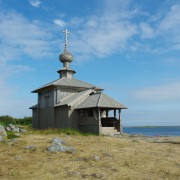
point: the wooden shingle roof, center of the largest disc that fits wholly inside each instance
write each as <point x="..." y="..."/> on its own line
<point x="67" y="82"/>
<point x="101" y="100"/>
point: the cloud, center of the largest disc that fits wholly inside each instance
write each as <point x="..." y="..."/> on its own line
<point x="172" y="61"/>
<point x="103" y="34"/>
<point x="23" y="37"/>
<point x="59" y="22"/>
<point x="164" y="93"/>
<point x="20" y="39"/>
<point x="146" y="31"/>
<point x="169" y="27"/>
<point x="35" y="3"/>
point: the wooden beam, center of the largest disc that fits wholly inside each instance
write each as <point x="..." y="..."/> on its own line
<point x="120" y="123"/>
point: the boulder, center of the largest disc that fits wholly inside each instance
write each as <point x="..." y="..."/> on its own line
<point x="8" y="128"/>
<point x="61" y="148"/>
<point x="3" y="131"/>
<point x="16" y="129"/>
<point x="11" y="126"/>
<point x="22" y="130"/>
<point x="57" y="141"/>
<point x="1" y="139"/>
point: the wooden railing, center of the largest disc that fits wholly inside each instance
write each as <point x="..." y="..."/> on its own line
<point x="110" y="122"/>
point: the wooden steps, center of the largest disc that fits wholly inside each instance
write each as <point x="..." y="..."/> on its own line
<point x="109" y="130"/>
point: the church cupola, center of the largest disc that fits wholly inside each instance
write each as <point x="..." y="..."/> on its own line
<point x="66" y="58"/>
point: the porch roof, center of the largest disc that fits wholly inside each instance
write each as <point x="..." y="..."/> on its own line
<point x="100" y="100"/>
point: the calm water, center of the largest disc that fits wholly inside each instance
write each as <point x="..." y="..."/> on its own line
<point x="154" y="131"/>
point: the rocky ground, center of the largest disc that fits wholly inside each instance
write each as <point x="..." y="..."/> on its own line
<point x="43" y="155"/>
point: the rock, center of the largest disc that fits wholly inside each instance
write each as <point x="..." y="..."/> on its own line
<point x="11" y="126"/>
<point x="16" y="130"/>
<point x="1" y="139"/>
<point x="96" y="158"/>
<point x="61" y="148"/>
<point x="2" y="131"/>
<point x="8" y="128"/>
<point x="32" y="147"/>
<point x="17" y="134"/>
<point x="57" y="141"/>
<point x="18" y="158"/>
<point x="22" y="130"/>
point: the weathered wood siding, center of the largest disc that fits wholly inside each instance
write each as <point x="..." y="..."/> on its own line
<point x="46" y="109"/>
<point x="46" y="118"/>
<point x="60" y="94"/>
<point x="73" y="119"/>
<point x="35" y="118"/>
<point x="89" y="124"/>
<point x="61" y="117"/>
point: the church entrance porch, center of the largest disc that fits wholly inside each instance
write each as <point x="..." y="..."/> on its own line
<point x="100" y="120"/>
<point x="110" y="125"/>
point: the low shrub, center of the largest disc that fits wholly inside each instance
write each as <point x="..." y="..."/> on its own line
<point x="5" y="120"/>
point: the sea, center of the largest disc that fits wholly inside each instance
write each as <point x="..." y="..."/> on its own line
<point x="153" y="130"/>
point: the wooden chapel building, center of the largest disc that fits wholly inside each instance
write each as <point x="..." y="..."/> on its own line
<point x="70" y="103"/>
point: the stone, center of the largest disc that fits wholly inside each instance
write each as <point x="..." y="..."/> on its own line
<point x="57" y="141"/>
<point x="18" y="158"/>
<point x="1" y="138"/>
<point x="61" y="148"/>
<point x="31" y="147"/>
<point x="16" y="129"/>
<point x="8" y="128"/>
<point x="17" y="134"/>
<point x="96" y="158"/>
<point x="3" y="131"/>
<point x="11" y="126"/>
<point x="22" y="130"/>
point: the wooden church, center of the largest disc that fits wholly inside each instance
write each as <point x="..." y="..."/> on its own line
<point x="71" y="103"/>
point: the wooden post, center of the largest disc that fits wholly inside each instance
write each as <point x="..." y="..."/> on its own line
<point x="107" y="114"/>
<point x="114" y="113"/>
<point x="99" y="119"/>
<point x="120" y="123"/>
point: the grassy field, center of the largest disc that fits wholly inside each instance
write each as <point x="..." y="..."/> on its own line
<point x="120" y="158"/>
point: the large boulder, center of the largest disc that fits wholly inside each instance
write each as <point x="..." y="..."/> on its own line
<point x="61" y="148"/>
<point x="13" y="128"/>
<point x="57" y="141"/>
<point x="2" y="131"/>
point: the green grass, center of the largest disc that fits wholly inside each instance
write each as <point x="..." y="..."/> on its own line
<point x="67" y="131"/>
<point x="11" y="135"/>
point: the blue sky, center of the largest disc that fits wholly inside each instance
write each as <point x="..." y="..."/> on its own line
<point x="129" y="48"/>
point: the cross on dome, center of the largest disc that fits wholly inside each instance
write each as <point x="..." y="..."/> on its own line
<point x="66" y="32"/>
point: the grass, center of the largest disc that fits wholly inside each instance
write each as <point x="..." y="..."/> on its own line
<point x="119" y="158"/>
<point x="67" y="131"/>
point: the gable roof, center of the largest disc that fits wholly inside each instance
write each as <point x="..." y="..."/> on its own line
<point x="75" y="98"/>
<point x="101" y="100"/>
<point x="68" y="83"/>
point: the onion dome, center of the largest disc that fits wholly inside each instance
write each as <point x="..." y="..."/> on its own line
<point x="66" y="57"/>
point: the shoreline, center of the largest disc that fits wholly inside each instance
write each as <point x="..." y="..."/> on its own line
<point x="150" y="139"/>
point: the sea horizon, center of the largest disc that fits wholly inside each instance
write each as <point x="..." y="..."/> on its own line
<point x="153" y="130"/>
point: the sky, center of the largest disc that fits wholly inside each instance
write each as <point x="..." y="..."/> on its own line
<point x="129" y="48"/>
